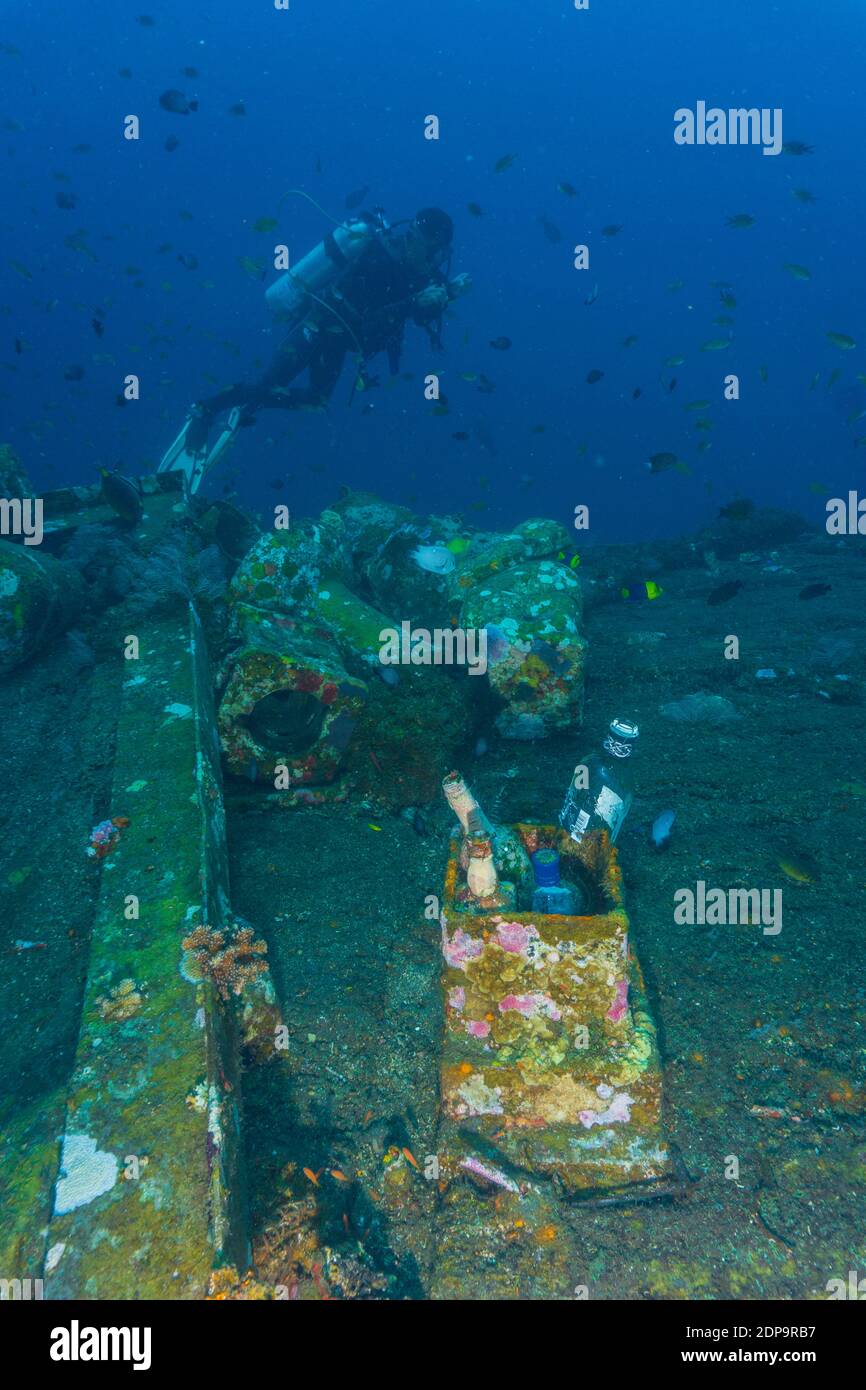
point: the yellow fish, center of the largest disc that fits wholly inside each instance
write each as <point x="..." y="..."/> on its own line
<point x="795" y="870"/>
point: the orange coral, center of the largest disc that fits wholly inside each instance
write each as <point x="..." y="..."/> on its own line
<point x="229" y="962"/>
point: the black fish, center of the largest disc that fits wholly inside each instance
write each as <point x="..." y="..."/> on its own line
<point x="147" y="20"/>
<point x="460" y="434"/>
<point x="594" y="376"/>
<point x="122" y="495"/>
<point x="98" y="327"/>
<point x="740" y="510"/>
<point x="500" y="344"/>
<point x="66" y="201"/>
<point x="475" y="209"/>
<point x="354" y="200"/>
<point x="551" y="231"/>
<point x="238" y="109"/>
<point x="171" y="143"/>
<point x="175" y="101"/>
<point x="814" y="590"/>
<point x="276" y="484"/>
<point x="724" y="592"/>
<point x="190" y="72"/>
<point x="73" y="372"/>
<point x="189" y="261"/>
<point x="672" y="384"/>
<point x="635" y="393"/>
<point x="18" y="346"/>
<point x="124" y="72"/>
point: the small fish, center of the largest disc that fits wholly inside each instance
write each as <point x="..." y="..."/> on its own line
<point x="371" y="826"/>
<point x="660" y="833"/>
<point x="122" y="495"/>
<point x="124" y="72"/>
<point x="28" y="945"/>
<point x="764" y="374"/>
<point x="797" y="147"/>
<point x="698" y="405"/>
<point x="612" y="229"/>
<point x="73" y="372"/>
<point x="630" y="340"/>
<point x="339" y="1175"/>
<point x="410" y="1158"/>
<point x="81" y="149"/>
<point x="716" y="345"/>
<point x="592" y="297"/>
<point x="674" y="361"/>
<point x="741" y="220"/>
<point x="657" y="463"/>
<point x="256" y="269"/>
<point x="635" y="393"/>
<point x="21" y="269"/>
<point x="190" y="72"/>
<point x="147" y="21"/>
<point x="19" y="347"/>
<point x="551" y="231"/>
<point x="265" y="224"/>
<point x="67" y="201"/>
<point x="474" y="210"/>
<point x="174" y="101"/>
<point x="674" y="286"/>
<point x="356" y="198"/>
<point x="724" y="592"/>
<point x="504" y="162"/>
<point x="461" y="435"/>
<point x="171" y="144"/>
<point x="739" y="510"/>
<point x="804" y="196"/>
<point x="594" y="376"/>
<point x="842" y="340"/>
<point x="500" y="344"/>
<point x="188" y="260"/>
<point x="647" y="589"/>
<point x="435" y="559"/>
<point x="672" y="384"/>
<point x="834" y="377"/>
<point x="568" y="189"/>
<point x="814" y="590"/>
<point x="801" y="868"/>
<point x="98" y="327"/>
<point x="727" y="299"/>
<point x="238" y="109"/>
<point x="799" y="272"/>
<point x="313" y="1177"/>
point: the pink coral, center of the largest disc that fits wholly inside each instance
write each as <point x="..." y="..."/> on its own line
<point x="618" y="1112"/>
<point x="620" y="1002"/>
<point x="460" y="948"/>
<point x="478" y="1028"/>
<point x="529" y="1005"/>
<point x="457" y="998"/>
<point x="513" y="936"/>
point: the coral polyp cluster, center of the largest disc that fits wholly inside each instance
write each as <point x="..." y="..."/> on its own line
<point x="230" y="961"/>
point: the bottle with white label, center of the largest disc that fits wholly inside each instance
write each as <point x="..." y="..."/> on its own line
<point x="601" y="789"/>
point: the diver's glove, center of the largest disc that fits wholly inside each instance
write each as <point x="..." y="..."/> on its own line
<point x="461" y="284"/>
<point x="433" y="297"/>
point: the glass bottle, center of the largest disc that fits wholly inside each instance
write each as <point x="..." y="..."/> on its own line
<point x="600" y="792"/>
<point x="509" y="852"/>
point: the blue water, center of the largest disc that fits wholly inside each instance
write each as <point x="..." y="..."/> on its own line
<point x="583" y="97"/>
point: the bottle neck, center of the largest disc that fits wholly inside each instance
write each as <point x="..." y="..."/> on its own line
<point x="620" y="748"/>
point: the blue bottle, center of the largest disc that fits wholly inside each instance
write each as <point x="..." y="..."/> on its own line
<point x="550" y="895"/>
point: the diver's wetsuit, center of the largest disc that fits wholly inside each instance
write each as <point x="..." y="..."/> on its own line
<point x="367" y="311"/>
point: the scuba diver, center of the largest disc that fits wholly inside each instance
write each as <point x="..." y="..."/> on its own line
<point x="356" y="290"/>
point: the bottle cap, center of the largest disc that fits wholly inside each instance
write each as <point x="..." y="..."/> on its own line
<point x="545" y="864"/>
<point x="624" y="728"/>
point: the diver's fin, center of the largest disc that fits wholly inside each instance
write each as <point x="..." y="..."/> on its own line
<point x="179" y="459"/>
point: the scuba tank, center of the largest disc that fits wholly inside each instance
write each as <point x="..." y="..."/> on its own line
<point x="322" y="267"/>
